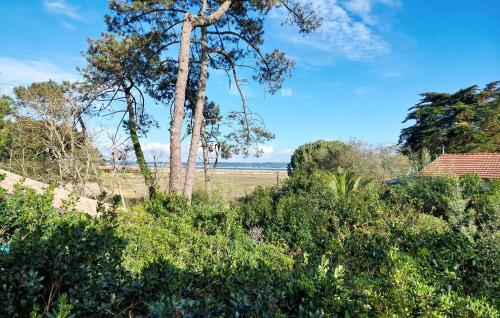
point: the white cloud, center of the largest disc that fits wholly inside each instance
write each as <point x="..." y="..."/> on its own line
<point x="362" y="8"/>
<point x="156" y="146"/>
<point x="270" y="154"/>
<point x="63" y="8"/>
<point x="266" y="149"/>
<point x="14" y="72"/>
<point x="286" y="92"/>
<point x="156" y="151"/>
<point x="391" y="3"/>
<point x="348" y="29"/>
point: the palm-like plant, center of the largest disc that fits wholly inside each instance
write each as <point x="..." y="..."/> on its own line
<point x="346" y="182"/>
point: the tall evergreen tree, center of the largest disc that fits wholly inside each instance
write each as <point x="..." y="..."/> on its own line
<point x="465" y="121"/>
<point x="231" y="35"/>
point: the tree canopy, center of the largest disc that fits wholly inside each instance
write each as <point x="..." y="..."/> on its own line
<point x="465" y="121"/>
<point x="380" y="163"/>
<point x="223" y="35"/>
<point x="43" y="134"/>
<point x="321" y="155"/>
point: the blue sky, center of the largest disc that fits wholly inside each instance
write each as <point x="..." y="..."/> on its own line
<point x="355" y="77"/>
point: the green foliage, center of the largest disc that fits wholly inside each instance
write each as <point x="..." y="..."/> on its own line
<point x="466" y="202"/>
<point x="465" y="121"/>
<point x="418" y="248"/>
<point x="426" y="247"/>
<point x="6" y="109"/>
<point x="208" y="197"/>
<point x="43" y="134"/>
<point x="345" y="183"/>
<point x="370" y="163"/>
<point x="321" y="155"/>
<point x="52" y="253"/>
<point x="166" y="203"/>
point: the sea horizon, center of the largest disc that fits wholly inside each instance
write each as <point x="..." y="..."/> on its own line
<point x="221" y="165"/>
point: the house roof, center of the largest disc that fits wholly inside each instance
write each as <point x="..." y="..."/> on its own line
<point x="486" y="165"/>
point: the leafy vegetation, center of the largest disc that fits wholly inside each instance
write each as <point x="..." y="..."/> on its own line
<point x="333" y="240"/>
<point x="378" y="163"/>
<point x="422" y="247"/>
<point x="465" y="121"/>
<point x="43" y="135"/>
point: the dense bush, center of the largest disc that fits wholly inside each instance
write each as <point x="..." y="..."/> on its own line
<point x="380" y="163"/>
<point x="323" y="155"/>
<point x="49" y="256"/>
<point x="467" y="203"/>
<point x="426" y="247"/>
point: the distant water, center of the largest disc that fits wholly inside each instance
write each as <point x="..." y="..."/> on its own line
<point x="247" y="166"/>
<point x="251" y="166"/>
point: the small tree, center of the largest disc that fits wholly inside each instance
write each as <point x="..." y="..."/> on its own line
<point x="116" y="69"/>
<point x="48" y="136"/>
<point x="378" y="163"/>
<point x="212" y="139"/>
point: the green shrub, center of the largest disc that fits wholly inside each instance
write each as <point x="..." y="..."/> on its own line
<point x="426" y="247"/>
<point x="322" y="155"/>
<point x="209" y="197"/>
<point x="163" y="204"/>
<point x="52" y="253"/>
<point x="380" y="163"/>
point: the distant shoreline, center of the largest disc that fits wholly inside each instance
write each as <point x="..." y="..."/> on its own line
<point x="222" y="166"/>
<point x="135" y="169"/>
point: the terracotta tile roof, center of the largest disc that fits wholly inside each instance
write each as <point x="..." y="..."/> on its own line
<point x="486" y="165"/>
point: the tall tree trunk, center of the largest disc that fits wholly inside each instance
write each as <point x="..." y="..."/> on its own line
<point x="198" y="117"/>
<point x="178" y="114"/>
<point x="134" y="137"/>
<point x="189" y="22"/>
<point x="204" y="146"/>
